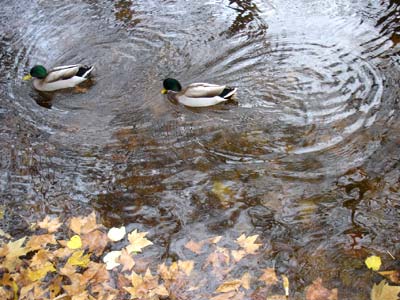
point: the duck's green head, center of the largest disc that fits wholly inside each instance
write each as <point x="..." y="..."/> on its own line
<point x="37" y="71"/>
<point x="171" y="84"/>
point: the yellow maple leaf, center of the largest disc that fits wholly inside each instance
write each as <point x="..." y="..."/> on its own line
<point x="373" y="262"/>
<point x="137" y="241"/>
<point x="383" y="291"/>
<point x="229" y="286"/>
<point x="248" y="243"/>
<point x="78" y="259"/>
<point x="12" y="252"/>
<point x="51" y="225"/>
<point x="41" y="272"/>
<point x="75" y="242"/>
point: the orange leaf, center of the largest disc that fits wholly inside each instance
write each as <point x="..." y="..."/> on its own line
<point x="96" y="241"/>
<point x="40" y="241"/>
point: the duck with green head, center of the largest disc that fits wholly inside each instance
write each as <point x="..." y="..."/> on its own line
<point x="58" y="78"/>
<point x="197" y="94"/>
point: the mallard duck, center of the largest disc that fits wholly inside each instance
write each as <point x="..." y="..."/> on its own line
<point x="197" y="94"/>
<point x="58" y="78"/>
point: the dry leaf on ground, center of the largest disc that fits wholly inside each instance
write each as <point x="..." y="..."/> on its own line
<point x="383" y="291"/>
<point x="316" y="291"/>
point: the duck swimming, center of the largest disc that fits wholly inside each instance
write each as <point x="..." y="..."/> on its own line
<point x="197" y="94"/>
<point x="58" y="78"/>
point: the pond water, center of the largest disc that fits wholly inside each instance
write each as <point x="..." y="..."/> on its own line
<point x="308" y="158"/>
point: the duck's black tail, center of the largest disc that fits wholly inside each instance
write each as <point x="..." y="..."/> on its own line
<point x="228" y="92"/>
<point x="84" y="71"/>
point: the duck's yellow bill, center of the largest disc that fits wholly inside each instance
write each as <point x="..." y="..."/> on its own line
<point x="27" y="77"/>
<point x="164" y="91"/>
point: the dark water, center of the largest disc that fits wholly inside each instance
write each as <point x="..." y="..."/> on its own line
<point x="308" y="158"/>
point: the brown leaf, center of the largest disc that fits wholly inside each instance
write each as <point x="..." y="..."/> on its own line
<point x="40" y="241"/>
<point x="316" y="291"/>
<point x="96" y="241"/>
<point x="269" y="276"/>
<point x="393" y="276"/>
<point x="84" y="225"/>
<point x="12" y="251"/>
<point x="51" y="225"/>
<point x="55" y="287"/>
<point x="126" y="261"/>
<point x="41" y="257"/>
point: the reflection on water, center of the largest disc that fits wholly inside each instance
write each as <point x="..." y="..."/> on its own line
<point x="308" y="159"/>
<point x="247" y="12"/>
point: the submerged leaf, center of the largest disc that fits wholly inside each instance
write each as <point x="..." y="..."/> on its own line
<point x="229" y="286"/>
<point x="373" y="262"/>
<point x="383" y="291"/>
<point x="137" y="241"/>
<point x="248" y="243"/>
<point x="51" y="225"/>
<point x="269" y="276"/>
<point x="316" y="291"/>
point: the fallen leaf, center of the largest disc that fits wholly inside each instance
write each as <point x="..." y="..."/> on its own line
<point x="186" y="266"/>
<point x="194" y="246"/>
<point x="393" y="276"/>
<point x="269" y="276"/>
<point x="126" y="260"/>
<point x="41" y="272"/>
<point x="383" y="291"/>
<point x="40" y="241"/>
<point x="237" y="255"/>
<point x="214" y="240"/>
<point x="223" y="192"/>
<point x="116" y="234"/>
<point x="285" y="280"/>
<point x="373" y="262"/>
<point x="246" y="280"/>
<point x="137" y="241"/>
<point x="229" y="286"/>
<point x="95" y="241"/>
<point x="110" y="259"/>
<point x="12" y="251"/>
<point x="78" y="259"/>
<point x="316" y="291"/>
<point x="75" y="242"/>
<point x="248" y="243"/>
<point x="41" y="257"/>
<point x="55" y="287"/>
<point x="51" y="225"/>
<point x="84" y="225"/>
<point x="225" y="296"/>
